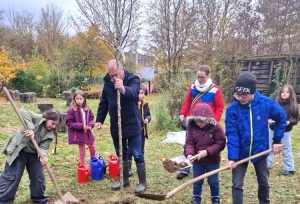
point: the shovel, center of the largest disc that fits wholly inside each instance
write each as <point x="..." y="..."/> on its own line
<point x="62" y="199"/>
<point x="182" y="186"/>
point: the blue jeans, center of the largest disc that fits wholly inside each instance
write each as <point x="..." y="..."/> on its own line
<point x="134" y="143"/>
<point x="287" y="154"/>
<point x="262" y="174"/>
<point x="185" y="170"/>
<point x="213" y="180"/>
<point x="143" y="138"/>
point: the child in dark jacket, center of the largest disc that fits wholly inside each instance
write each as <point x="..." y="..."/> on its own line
<point x="79" y="120"/>
<point x="287" y="100"/>
<point x="145" y="119"/>
<point x="206" y="137"/>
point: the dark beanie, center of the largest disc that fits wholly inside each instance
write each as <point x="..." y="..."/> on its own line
<point x="246" y="83"/>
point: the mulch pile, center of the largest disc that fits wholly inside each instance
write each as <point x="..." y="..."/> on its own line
<point x="172" y="166"/>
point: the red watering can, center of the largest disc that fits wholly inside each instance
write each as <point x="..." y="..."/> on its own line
<point x="113" y="169"/>
<point x="82" y="173"/>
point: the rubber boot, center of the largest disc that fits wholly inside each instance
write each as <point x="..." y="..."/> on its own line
<point x="215" y="200"/>
<point x="126" y="183"/>
<point x="142" y="186"/>
<point x="130" y="169"/>
<point x="197" y="200"/>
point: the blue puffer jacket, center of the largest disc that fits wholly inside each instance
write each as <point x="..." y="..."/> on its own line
<point x="130" y="115"/>
<point x="247" y="126"/>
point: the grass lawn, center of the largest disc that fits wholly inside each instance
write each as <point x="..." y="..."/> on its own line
<point x="284" y="190"/>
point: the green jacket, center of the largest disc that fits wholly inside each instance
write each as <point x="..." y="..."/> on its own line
<point x="18" y="141"/>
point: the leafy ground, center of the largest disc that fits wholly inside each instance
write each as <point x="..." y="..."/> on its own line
<point x="64" y="166"/>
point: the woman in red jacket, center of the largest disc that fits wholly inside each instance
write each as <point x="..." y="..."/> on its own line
<point x="201" y="91"/>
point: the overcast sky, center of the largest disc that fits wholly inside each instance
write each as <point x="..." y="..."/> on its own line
<point x="69" y="7"/>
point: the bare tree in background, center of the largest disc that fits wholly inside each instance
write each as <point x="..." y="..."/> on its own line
<point x="117" y="22"/>
<point x="20" y="36"/>
<point x="50" y="29"/>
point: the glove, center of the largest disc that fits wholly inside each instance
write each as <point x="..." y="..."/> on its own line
<point x="86" y="127"/>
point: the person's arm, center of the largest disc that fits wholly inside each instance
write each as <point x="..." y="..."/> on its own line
<point x="103" y="107"/>
<point x="132" y="87"/>
<point x="189" y="143"/>
<point x="294" y="119"/>
<point x="277" y="114"/>
<point x="29" y="118"/>
<point x="90" y="122"/>
<point x="219" y="141"/>
<point x="187" y="103"/>
<point x="70" y="121"/>
<point x="219" y="105"/>
<point x="147" y="114"/>
<point x="233" y="140"/>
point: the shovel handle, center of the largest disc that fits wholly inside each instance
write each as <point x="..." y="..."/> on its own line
<point x="182" y="186"/>
<point x="34" y="144"/>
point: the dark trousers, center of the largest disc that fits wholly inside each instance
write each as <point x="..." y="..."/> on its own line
<point x="262" y="174"/>
<point x="142" y="146"/>
<point x="134" y="143"/>
<point x="11" y="177"/>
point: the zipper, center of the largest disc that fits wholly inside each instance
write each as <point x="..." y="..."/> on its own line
<point x="251" y="130"/>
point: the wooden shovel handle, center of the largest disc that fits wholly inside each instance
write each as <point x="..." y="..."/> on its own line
<point x="35" y="145"/>
<point x="182" y="186"/>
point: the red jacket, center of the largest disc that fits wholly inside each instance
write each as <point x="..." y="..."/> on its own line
<point x="213" y="98"/>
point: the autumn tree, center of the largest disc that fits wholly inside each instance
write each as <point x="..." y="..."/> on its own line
<point x="50" y="29"/>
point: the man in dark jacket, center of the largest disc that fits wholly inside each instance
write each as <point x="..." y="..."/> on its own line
<point x="129" y="86"/>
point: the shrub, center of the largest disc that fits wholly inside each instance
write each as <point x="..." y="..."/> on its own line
<point x="93" y="92"/>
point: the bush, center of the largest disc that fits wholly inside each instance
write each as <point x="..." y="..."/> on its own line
<point x="93" y="92"/>
<point x="26" y="82"/>
<point x="54" y="84"/>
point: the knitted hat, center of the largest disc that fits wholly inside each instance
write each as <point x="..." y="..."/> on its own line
<point x="246" y="83"/>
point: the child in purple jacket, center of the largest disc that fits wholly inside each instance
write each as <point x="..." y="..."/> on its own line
<point x="206" y="137"/>
<point x="79" y="120"/>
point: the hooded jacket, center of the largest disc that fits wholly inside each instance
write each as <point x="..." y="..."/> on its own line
<point x="247" y="127"/>
<point x="74" y="122"/>
<point x="130" y="115"/>
<point x="210" y="138"/>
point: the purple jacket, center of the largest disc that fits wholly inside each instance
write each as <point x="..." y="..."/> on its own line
<point x="210" y="138"/>
<point x="74" y="122"/>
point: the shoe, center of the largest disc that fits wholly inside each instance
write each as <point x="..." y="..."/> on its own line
<point x="181" y="176"/>
<point x="286" y="173"/>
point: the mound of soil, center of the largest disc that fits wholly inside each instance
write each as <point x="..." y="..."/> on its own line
<point x="127" y="200"/>
<point x="172" y="166"/>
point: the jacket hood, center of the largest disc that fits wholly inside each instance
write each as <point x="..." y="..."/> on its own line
<point x="203" y="112"/>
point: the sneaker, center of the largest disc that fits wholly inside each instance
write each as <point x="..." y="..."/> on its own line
<point x="181" y="176"/>
<point x="286" y="173"/>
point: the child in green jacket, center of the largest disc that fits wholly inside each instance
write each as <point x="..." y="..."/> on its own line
<point x="20" y="153"/>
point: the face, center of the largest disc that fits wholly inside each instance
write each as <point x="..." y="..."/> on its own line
<point x="112" y="72"/>
<point x="285" y="94"/>
<point x="51" y="124"/>
<point x="243" y="98"/>
<point x="79" y="100"/>
<point x="202" y="77"/>
<point x="141" y="95"/>
<point x="201" y="123"/>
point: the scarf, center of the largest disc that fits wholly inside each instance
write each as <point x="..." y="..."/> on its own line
<point x="203" y="87"/>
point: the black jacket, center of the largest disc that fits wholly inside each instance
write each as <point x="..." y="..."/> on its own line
<point x="130" y="116"/>
<point x="292" y="117"/>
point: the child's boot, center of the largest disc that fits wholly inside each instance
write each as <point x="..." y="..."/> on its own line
<point x="215" y="200"/>
<point x="197" y="200"/>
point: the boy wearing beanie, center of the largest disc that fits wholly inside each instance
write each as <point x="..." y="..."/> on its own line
<point x="246" y="124"/>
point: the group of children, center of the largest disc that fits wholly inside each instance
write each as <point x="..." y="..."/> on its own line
<point x="251" y="121"/>
<point x="247" y="119"/>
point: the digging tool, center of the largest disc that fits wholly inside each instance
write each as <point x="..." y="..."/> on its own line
<point x="182" y="186"/>
<point x="62" y="199"/>
<point x="178" y="163"/>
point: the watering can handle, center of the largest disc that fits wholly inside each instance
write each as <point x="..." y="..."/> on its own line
<point x="182" y="186"/>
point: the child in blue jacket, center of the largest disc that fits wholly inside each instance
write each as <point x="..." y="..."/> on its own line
<point x="246" y="124"/>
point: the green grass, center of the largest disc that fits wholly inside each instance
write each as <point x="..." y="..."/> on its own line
<point x="64" y="165"/>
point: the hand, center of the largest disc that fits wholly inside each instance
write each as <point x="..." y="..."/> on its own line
<point x="270" y="121"/>
<point x="181" y="117"/>
<point x="98" y="125"/>
<point x="277" y="148"/>
<point x="43" y="160"/>
<point x="202" y="154"/>
<point x="231" y="165"/>
<point x="189" y="157"/>
<point x="86" y="127"/>
<point x="146" y="121"/>
<point x="288" y="123"/>
<point x="119" y="85"/>
<point x="29" y="133"/>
